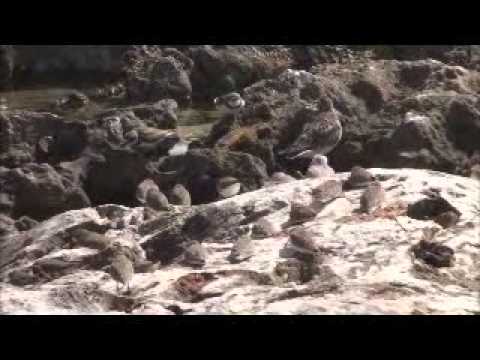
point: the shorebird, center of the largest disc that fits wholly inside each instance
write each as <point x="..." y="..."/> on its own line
<point x="302" y="246"/>
<point x="143" y="188"/>
<point x="373" y="198"/>
<point x="300" y="213"/>
<point x="194" y="255"/>
<point x="179" y="149"/>
<point x="156" y="200"/>
<point x="121" y="270"/>
<point x="45" y="144"/>
<point x="228" y="187"/>
<point x="359" y="178"/>
<point x="242" y="250"/>
<point x="319" y="167"/>
<point x="231" y="103"/>
<point x="114" y="127"/>
<point x="180" y="196"/>
<point x="320" y="136"/>
<point x="325" y="193"/>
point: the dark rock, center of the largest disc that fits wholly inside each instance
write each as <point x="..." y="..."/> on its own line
<point x="434" y="254"/>
<point x="153" y="75"/>
<point x="21" y="131"/>
<point x="50" y="269"/>
<point x="40" y="192"/>
<point x="74" y="101"/>
<point x="447" y="219"/>
<point x="294" y="270"/>
<point x="463" y="120"/>
<point x="7" y="63"/>
<point x="25" y="223"/>
<point x="415" y="74"/>
<point x="115" y="180"/>
<point x="7" y="225"/>
<point x="60" y="63"/>
<point x="161" y="115"/>
<point x="22" y="277"/>
<point x="200" y="166"/>
<point x="370" y="92"/>
<point x="222" y="69"/>
<point x="430" y="208"/>
<point x="188" y="287"/>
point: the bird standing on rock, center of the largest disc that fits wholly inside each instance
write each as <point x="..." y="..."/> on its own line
<point x="228" y="187"/>
<point x="322" y="135"/>
<point x="180" y="148"/>
<point x="373" y="198"/>
<point x="115" y="129"/>
<point x="242" y="250"/>
<point x="359" y="178"/>
<point x="299" y="214"/>
<point x="180" y="196"/>
<point x="194" y="255"/>
<point x="231" y="103"/>
<point x="156" y="200"/>
<point x="319" y="167"/>
<point x="121" y="270"/>
<point x="302" y="246"/>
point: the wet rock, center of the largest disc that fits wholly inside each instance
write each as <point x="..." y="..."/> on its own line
<point x="160" y="115"/>
<point x="74" y="101"/>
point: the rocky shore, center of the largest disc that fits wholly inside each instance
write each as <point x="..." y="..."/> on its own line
<point x="107" y="207"/>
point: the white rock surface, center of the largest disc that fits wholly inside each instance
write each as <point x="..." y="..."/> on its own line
<point x="371" y="256"/>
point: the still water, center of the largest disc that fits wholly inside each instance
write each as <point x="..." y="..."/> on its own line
<point x="192" y="123"/>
